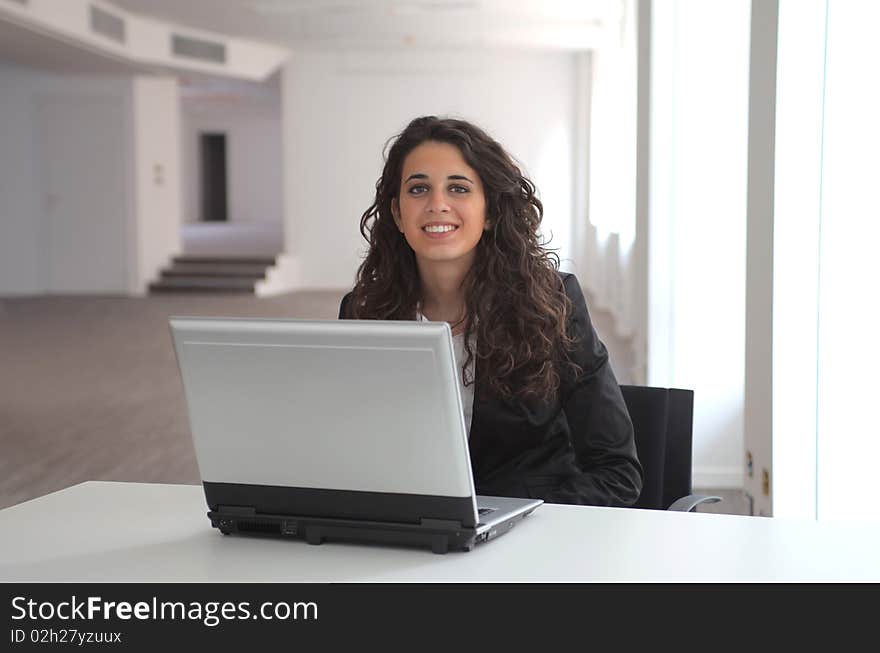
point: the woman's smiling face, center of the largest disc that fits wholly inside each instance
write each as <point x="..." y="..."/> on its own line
<point x="441" y="209"/>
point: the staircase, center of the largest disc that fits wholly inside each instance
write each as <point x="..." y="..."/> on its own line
<point x="215" y="274"/>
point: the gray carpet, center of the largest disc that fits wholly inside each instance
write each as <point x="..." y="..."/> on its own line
<point x="89" y="387"/>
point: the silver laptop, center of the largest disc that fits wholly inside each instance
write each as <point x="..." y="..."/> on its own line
<point x="334" y="430"/>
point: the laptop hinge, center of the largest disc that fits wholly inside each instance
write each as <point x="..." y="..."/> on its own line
<point x="238" y="511"/>
<point x="443" y="524"/>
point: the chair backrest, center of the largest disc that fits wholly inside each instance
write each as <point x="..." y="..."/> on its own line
<point x="663" y="421"/>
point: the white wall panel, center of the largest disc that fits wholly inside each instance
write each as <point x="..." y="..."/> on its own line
<point x="339" y="110"/>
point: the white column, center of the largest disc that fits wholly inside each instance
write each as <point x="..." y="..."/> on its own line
<point x="800" y="85"/>
<point x="156" y="169"/>
<point x="697" y="204"/>
<point x="759" y="259"/>
<point x="849" y="350"/>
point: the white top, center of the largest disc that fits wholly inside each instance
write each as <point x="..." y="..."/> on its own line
<point x="467" y="392"/>
<point x="140" y="532"/>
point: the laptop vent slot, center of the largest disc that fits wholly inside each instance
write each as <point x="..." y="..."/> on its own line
<point x="185" y="46"/>
<point x="107" y="24"/>
<point x="259" y="526"/>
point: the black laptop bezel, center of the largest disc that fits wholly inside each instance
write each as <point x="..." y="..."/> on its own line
<point x="315" y="515"/>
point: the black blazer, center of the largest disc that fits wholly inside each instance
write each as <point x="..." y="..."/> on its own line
<point x="578" y="449"/>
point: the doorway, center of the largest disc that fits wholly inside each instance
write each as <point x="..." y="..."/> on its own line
<point x="213" y="159"/>
<point x="85" y="205"/>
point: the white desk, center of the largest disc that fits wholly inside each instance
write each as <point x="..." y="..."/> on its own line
<point x="102" y="531"/>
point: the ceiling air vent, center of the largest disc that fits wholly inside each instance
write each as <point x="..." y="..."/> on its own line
<point x="107" y="24"/>
<point x="185" y="46"/>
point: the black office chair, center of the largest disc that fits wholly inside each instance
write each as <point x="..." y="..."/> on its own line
<point x="663" y="420"/>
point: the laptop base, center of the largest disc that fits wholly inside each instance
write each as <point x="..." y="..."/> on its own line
<point x="441" y="536"/>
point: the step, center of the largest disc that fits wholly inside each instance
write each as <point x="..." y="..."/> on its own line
<point x="159" y="289"/>
<point x="265" y="261"/>
<point x="203" y="284"/>
<point x="215" y="270"/>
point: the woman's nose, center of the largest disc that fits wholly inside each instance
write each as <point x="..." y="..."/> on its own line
<point x="437" y="202"/>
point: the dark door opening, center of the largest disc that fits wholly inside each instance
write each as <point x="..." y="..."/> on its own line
<point x="213" y="151"/>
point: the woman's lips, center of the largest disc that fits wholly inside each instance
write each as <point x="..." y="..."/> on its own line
<point x="439" y="235"/>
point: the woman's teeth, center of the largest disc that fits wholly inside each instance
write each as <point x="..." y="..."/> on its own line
<point x="439" y="229"/>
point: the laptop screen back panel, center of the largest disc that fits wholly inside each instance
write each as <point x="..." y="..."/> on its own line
<point x="352" y="416"/>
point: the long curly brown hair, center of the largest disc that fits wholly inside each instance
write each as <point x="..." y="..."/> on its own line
<point x="514" y="297"/>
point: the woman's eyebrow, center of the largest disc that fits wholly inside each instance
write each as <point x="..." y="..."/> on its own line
<point x="422" y="175"/>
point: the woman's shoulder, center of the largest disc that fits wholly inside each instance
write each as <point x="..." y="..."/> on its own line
<point x="579" y="316"/>
<point x="566" y="277"/>
<point x="571" y="286"/>
<point x="343" y="305"/>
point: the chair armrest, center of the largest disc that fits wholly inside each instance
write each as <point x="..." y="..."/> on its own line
<point x="691" y="501"/>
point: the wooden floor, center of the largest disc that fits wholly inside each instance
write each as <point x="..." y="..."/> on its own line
<point x="89" y="387"/>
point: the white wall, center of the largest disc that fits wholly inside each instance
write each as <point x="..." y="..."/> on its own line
<point x="340" y="109"/>
<point x="253" y="155"/>
<point x="157" y="174"/>
<point x="70" y="161"/>
<point x="698" y="149"/>
<point x="66" y="146"/>
<point x="21" y="256"/>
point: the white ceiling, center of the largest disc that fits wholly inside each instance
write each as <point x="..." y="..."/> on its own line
<point x="355" y="24"/>
<point x="337" y="25"/>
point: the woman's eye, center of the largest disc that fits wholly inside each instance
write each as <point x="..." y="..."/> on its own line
<point x="458" y="189"/>
<point x="418" y="189"/>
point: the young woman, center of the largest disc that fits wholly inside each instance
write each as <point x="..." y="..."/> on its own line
<point x="453" y="234"/>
